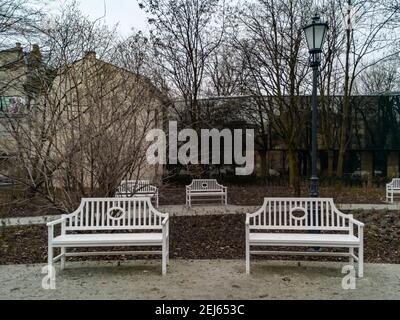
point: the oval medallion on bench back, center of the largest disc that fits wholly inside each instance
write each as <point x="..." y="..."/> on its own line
<point x="99" y="214"/>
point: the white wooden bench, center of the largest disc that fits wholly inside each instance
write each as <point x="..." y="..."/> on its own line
<point x="111" y="222"/>
<point x="206" y="189"/>
<point x="289" y="222"/>
<point x="138" y="188"/>
<point x="392" y="189"/>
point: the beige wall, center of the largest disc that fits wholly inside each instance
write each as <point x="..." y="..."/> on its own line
<point x="105" y="90"/>
<point x="13" y="73"/>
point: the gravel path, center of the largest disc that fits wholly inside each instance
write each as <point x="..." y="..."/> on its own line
<point x="200" y="279"/>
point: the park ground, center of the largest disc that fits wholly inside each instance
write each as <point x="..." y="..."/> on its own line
<point x="200" y="279"/>
<point x="199" y="239"/>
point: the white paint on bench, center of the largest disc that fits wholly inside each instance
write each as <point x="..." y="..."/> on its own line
<point x="206" y="189"/>
<point x="138" y="188"/>
<point x="289" y="222"/>
<point x="392" y="189"/>
<point x="111" y="222"/>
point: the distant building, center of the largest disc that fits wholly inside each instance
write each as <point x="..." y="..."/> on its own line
<point x="26" y="84"/>
<point x="103" y="91"/>
<point x="18" y="77"/>
<point x="373" y="145"/>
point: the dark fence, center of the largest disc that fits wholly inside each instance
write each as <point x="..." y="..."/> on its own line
<point x="282" y="181"/>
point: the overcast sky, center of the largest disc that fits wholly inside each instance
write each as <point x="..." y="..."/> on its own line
<point x="124" y="12"/>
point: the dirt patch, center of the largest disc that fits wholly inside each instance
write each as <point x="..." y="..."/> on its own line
<point x="208" y="237"/>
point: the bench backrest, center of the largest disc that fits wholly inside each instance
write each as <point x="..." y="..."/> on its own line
<point x="395" y="183"/>
<point x="131" y="187"/>
<point x="305" y="214"/>
<point x="206" y="185"/>
<point x="115" y="214"/>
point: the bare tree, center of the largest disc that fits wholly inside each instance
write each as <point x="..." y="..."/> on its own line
<point x="331" y="82"/>
<point x="379" y="79"/>
<point x="185" y="34"/>
<point x="371" y="31"/>
<point x="87" y="126"/>
<point x="226" y="72"/>
<point x="273" y="49"/>
<point x="18" y="18"/>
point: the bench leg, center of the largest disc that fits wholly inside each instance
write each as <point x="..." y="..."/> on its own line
<point x="50" y="256"/>
<point x="361" y="261"/>
<point x="63" y="253"/>
<point x="164" y="261"/>
<point x="351" y="252"/>
<point x="247" y="252"/>
<point x="165" y="253"/>
<point x="168" y="251"/>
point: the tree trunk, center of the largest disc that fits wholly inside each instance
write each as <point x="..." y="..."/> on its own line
<point x="346" y="104"/>
<point x="343" y="135"/>
<point x="331" y="160"/>
<point x="294" y="174"/>
<point x="264" y="163"/>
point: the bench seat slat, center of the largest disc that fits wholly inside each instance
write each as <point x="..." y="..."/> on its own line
<point x="306" y="239"/>
<point x="105" y="239"/>
<point x="207" y="193"/>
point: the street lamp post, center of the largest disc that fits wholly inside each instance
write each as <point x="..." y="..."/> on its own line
<point x="315" y="35"/>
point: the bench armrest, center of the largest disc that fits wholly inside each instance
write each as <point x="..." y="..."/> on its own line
<point x="165" y="221"/>
<point x="221" y="186"/>
<point x="247" y="220"/>
<point x="56" y="222"/>
<point x="360" y="227"/>
<point x="165" y="227"/>
<point x="357" y="223"/>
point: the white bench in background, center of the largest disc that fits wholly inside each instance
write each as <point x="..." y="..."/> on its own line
<point x="138" y="188"/>
<point x="206" y="189"/>
<point x="392" y="188"/>
<point x="133" y="222"/>
<point x="288" y="222"/>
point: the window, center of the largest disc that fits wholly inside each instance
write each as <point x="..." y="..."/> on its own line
<point x="12" y="105"/>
